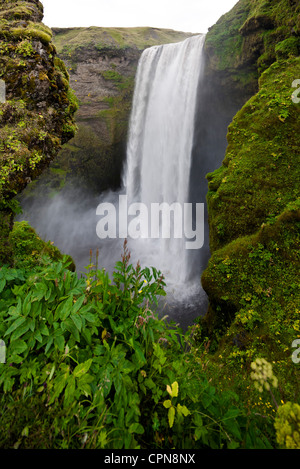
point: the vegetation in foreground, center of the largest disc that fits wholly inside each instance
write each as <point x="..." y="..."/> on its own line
<point x="90" y="365"/>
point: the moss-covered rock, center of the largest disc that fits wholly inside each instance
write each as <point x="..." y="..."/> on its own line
<point x="36" y="117"/>
<point x="248" y="39"/>
<point x="102" y="64"/>
<point x="29" y="250"/>
<point x="260" y="173"/>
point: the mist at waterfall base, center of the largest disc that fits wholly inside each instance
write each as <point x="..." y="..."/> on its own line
<point x="159" y="168"/>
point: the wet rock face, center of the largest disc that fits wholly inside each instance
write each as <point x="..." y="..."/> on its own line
<point x="103" y="82"/>
<point x="37" y="114"/>
<point x="97" y="76"/>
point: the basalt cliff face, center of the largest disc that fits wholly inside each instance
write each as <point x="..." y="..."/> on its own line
<point x="36" y="112"/>
<point x="253" y="197"/>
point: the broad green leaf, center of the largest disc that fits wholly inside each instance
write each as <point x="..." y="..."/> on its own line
<point x="149" y="383"/>
<point x="65" y="312"/>
<point x="182" y="409"/>
<point x="139" y="356"/>
<point x="174" y="390"/>
<point x="86" y="334"/>
<point x="233" y="445"/>
<point x="70" y="326"/>
<point x="27" y="304"/>
<point x="2" y="284"/>
<point x="18" y="346"/>
<point x="37" y="335"/>
<point x="171" y="416"/>
<point x="2" y="352"/>
<point x="59" y="341"/>
<point x="44" y="329"/>
<point x="18" y="322"/>
<point x="78" y="304"/>
<point x="52" y="372"/>
<point x="21" y="330"/>
<point x="167" y="404"/>
<point x="85" y="388"/>
<point x="70" y="390"/>
<point x="201" y="433"/>
<point x="233" y="427"/>
<point x="118" y="382"/>
<point x="136" y="428"/>
<point x="49" y="343"/>
<point x="64" y="308"/>
<point x="77" y="320"/>
<point x="82" y="368"/>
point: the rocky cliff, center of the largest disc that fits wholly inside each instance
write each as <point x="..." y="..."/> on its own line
<point x="36" y="113"/>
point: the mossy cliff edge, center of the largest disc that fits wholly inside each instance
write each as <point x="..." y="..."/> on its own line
<point x="102" y="64"/>
<point x="252" y="279"/>
<point x="36" y="116"/>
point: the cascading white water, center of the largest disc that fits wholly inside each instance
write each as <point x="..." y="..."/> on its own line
<point x="160" y="142"/>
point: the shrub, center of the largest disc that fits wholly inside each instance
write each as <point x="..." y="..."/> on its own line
<point x="90" y="365"/>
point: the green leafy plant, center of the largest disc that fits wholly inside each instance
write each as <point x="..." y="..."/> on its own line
<point x="25" y="48"/>
<point x="89" y="362"/>
<point x="181" y="410"/>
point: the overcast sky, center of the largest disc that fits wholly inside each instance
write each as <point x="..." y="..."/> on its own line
<point x="194" y="16"/>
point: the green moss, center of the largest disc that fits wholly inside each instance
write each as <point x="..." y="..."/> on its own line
<point x="31" y="31"/>
<point x="260" y="171"/>
<point x="37" y="116"/>
<point x="287" y="48"/>
<point x="25" y="49"/>
<point x="18" y="12"/>
<point x="112" y="76"/>
<point x="253" y="204"/>
<point x="29" y="250"/>
<point x="252" y="36"/>
<point x="223" y="39"/>
<point x="255" y="295"/>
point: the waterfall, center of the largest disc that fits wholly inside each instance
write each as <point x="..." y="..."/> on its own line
<point x="160" y="143"/>
<point x="157" y="170"/>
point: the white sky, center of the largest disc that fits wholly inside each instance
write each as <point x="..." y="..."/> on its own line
<point x="194" y="16"/>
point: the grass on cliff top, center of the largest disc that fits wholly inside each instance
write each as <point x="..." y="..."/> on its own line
<point x="224" y="39"/>
<point x="264" y="20"/>
<point x="137" y="38"/>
